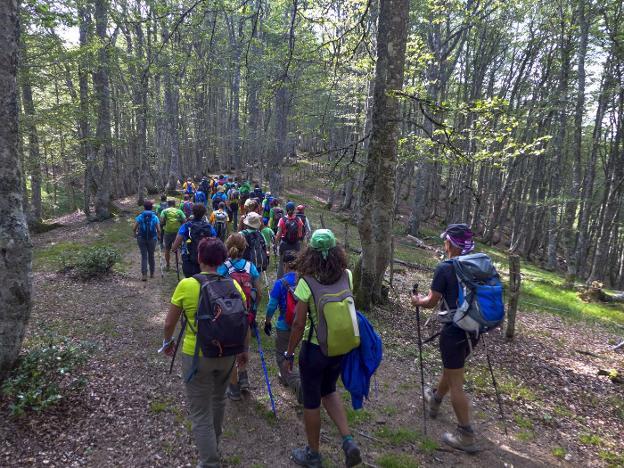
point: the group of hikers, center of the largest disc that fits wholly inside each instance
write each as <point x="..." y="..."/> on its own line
<point x="217" y="304"/>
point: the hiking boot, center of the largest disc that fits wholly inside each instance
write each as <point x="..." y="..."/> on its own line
<point x="306" y="457"/>
<point x="281" y="379"/>
<point x="144" y="277"/>
<point x="299" y="394"/>
<point x="152" y="274"/>
<point x="352" y="453"/>
<point x="432" y="403"/>
<point x="461" y="439"/>
<point x="233" y="392"/>
<point x="243" y="381"/>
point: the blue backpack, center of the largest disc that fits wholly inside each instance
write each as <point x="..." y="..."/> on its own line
<point x="480" y="300"/>
<point x="147" y="225"/>
<point x="200" y="197"/>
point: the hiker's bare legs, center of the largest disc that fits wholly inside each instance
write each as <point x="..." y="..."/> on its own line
<point x="312" y="422"/>
<point x="335" y="409"/>
<point x="455" y="380"/>
<point x="167" y="257"/>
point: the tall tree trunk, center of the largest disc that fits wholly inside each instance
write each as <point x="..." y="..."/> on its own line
<point x="104" y="146"/>
<point x="571" y="233"/>
<point x="171" y="112"/>
<point x="86" y="147"/>
<point x="34" y="156"/>
<point x="375" y="223"/>
<point x="278" y="153"/>
<point x="15" y="246"/>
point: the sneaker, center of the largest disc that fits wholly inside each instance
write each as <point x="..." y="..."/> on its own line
<point x="432" y="403"/>
<point x="461" y="439"/>
<point x="243" y="381"/>
<point x="352" y="453"/>
<point x="306" y="457"/>
<point x="233" y="392"/>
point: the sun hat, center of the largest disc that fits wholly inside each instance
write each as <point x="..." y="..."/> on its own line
<point x="253" y="220"/>
<point x="300" y="208"/>
<point x="323" y="240"/>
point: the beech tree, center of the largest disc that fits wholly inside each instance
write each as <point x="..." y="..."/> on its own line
<point x="15" y="246"/>
<point x="376" y="202"/>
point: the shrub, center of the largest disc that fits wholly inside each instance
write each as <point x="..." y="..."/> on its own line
<point x="44" y="376"/>
<point x="93" y="262"/>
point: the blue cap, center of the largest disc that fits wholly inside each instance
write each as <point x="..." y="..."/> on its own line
<point x="290" y="206"/>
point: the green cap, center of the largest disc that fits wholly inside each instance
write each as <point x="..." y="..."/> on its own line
<point x="323" y="240"/>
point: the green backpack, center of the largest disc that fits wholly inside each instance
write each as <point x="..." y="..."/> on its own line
<point x="337" y="330"/>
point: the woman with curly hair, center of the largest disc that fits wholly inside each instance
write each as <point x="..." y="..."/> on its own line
<point x="246" y="274"/>
<point x="322" y="263"/>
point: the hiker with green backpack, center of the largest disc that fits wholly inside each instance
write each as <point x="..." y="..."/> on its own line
<point x="455" y="282"/>
<point x="282" y="296"/>
<point x="147" y="233"/>
<point x="326" y="320"/>
<point x="171" y="219"/>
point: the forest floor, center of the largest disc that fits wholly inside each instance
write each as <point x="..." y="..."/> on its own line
<point x="131" y="412"/>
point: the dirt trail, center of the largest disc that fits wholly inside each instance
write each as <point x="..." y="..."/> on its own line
<point x="132" y="413"/>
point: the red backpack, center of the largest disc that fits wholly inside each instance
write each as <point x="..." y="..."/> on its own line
<point x="291" y="302"/>
<point x="243" y="277"/>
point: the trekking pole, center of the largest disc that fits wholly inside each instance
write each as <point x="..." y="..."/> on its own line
<point x="264" y="368"/>
<point x="498" y="397"/>
<point x="177" y="345"/>
<point x="420" y="358"/>
<point x="177" y="266"/>
<point x="160" y="256"/>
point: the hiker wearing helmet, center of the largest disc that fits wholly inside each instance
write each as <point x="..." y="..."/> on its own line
<point x="324" y="289"/>
<point x="206" y="376"/>
<point x="283" y="296"/>
<point x="307" y="228"/>
<point x="289" y="235"/>
<point x="455" y="343"/>
<point x="147" y="233"/>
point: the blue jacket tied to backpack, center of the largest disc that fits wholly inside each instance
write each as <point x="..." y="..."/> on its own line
<point x="360" y="364"/>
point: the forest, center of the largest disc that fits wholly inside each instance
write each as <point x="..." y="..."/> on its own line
<point x="505" y="112"/>
<point x="392" y="118"/>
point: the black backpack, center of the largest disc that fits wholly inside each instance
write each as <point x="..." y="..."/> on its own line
<point x="221" y="321"/>
<point x="302" y="217"/>
<point x="291" y="230"/>
<point x="204" y="186"/>
<point x="256" y="250"/>
<point x="234" y="197"/>
<point x="198" y="230"/>
<point x="221" y="224"/>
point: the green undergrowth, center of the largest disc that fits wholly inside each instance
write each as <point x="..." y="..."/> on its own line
<point x="397" y="460"/>
<point x="116" y="233"/>
<point x="47" y="372"/>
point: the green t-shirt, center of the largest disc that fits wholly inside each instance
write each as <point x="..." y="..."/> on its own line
<point x="268" y="235"/>
<point x="304" y="294"/>
<point x="173" y="219"/>
<point x="186" y="296"/>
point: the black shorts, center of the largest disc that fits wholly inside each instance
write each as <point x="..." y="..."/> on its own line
<point x="454" y="346"/>
<point x="319" y="374"/>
